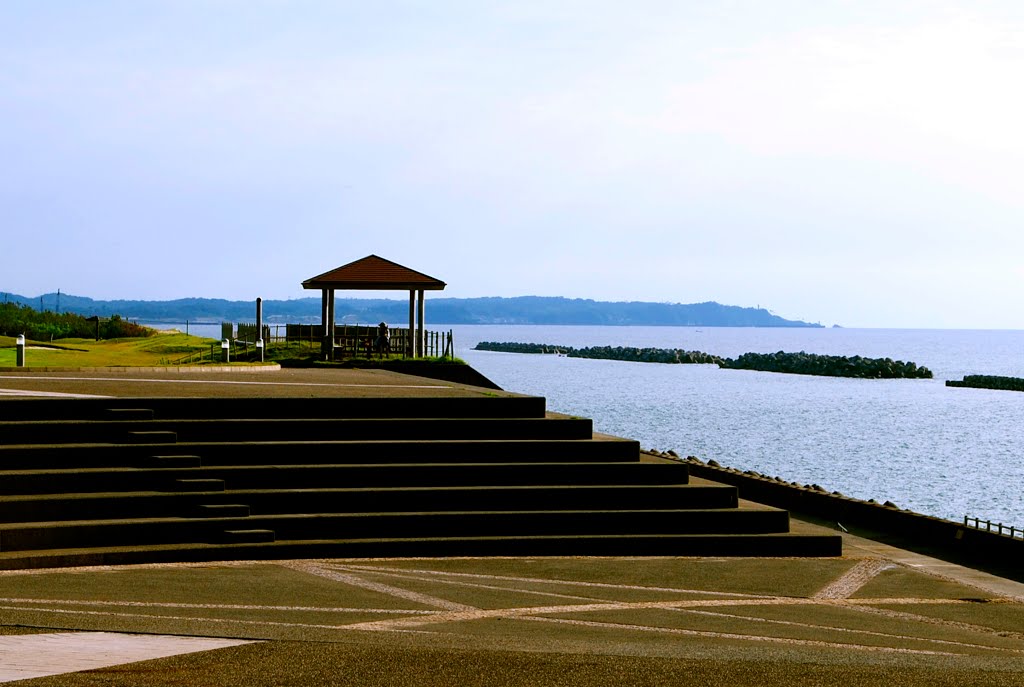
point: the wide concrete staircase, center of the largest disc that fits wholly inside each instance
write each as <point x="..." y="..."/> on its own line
<point x="109" y="481"/>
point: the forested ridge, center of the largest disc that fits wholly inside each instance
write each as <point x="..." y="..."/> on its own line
<point x="518" y="310"/>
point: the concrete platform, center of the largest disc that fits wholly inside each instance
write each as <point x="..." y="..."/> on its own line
<point x="876" y="615"/>
<point x="870" y="617"/>
<point x="225" y="383"/>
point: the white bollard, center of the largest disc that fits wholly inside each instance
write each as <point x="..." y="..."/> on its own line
<point x="225" y="350"/>
<point x="20" y="355"/>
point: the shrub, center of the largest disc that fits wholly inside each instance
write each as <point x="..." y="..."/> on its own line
<point x="18" y="319"/>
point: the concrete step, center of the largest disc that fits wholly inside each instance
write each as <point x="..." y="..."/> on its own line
<point x="750" y="545"/>
<point x="93" y="533"/>
<point x="554" y="497"/>
<point x="247" y="536"/>
<point x="196" y="484"/>
<point x="156" y="436"/>
<point x="137" y="505"/>
<point x="124" y="414"/>
<point x="41" y="456"/>
<point x="524" y="523"/>
<point x="220" y="510"/>
<point x="460" y="524"/>
<point x="269" y="429"/>
<point x="106" y="506"/>
<point x="500" y="406"/>
<point x="24" y="482"/>
<point x="144" y="480"/>
<point x="163" y="462"/>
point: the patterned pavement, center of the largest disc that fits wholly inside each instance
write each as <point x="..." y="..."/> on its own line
<point x="843" y="610"/>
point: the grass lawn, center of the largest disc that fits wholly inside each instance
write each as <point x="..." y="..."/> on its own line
<point x="166" y="347"/>
<point x="161" y="349"/>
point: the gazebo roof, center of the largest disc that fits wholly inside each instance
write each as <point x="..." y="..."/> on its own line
<point x="374" y="273"/>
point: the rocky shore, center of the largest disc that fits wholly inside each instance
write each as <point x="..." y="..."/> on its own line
<point x="790" y="363"/>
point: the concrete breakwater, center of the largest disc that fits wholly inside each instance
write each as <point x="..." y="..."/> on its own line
<point x="829" y="365"/>
<point x="989" y="382"/>
<point x="790" y="363"/>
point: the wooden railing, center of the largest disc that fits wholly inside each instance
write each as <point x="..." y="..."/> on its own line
<point x="349" y="341"/>
<point x="997" y="527"/>
<point x="357" y="340"/>
<point x="200" y="356"/>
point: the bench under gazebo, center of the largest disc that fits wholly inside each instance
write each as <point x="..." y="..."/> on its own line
<point x="373" y="273"/>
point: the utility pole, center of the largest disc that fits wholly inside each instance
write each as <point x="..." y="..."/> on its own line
<point x="58" y="301"/>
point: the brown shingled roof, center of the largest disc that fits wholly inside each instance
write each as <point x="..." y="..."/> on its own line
<point x="374" y="273"/>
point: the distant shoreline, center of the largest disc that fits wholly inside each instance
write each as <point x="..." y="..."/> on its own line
<point x="520" y="310"/>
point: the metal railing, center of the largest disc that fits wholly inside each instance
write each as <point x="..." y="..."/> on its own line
<point x="997" y="527"/>
<point x="212" y="355"/>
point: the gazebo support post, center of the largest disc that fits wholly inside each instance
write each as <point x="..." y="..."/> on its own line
<point x="325" y="342"/>
<point x="332" y="329"/>
<point x="410" y="343"/>
<point x="419" y="334"/>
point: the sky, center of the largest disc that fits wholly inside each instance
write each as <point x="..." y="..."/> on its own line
<point x="845" y="162"/>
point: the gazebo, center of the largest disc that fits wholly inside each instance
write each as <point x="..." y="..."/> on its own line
<point x="373" y="273"/>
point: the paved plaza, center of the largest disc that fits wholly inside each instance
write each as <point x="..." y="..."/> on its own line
<point x="863" y="618"/>
<point x="225" y="382"/>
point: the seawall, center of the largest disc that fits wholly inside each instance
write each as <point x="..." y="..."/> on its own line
<point x="998" y="553"/>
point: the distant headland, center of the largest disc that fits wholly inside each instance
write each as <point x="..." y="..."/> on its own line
<point x="544" y="310"/>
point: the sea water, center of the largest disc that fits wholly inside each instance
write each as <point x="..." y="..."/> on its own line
<point x="943" y="451"/>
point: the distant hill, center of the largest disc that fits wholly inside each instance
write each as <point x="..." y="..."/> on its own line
<point x="519" y="310"/>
